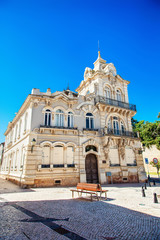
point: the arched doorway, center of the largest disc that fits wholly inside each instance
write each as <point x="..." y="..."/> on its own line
<point x="91" y="168"/>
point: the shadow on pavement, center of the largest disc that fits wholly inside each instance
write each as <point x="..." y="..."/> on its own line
<point x="75" y="219"/>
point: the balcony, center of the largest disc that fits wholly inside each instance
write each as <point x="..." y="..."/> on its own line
<point x="90" y="129"/>
<point x="58" y="127"/>
<point x="113" y="102"/>
<point x="117" y="132"/>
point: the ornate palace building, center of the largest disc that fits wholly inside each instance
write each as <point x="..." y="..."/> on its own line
<point x="67" y="137"/>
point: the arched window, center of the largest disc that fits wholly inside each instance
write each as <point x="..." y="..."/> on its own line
<point x="70" y="119"/>
<point x="115" y="126"/>
<point x="107" y="92"/>
<point x="46" y="154"/>
<point x="48" y="118"/>
<point x="109" y="125"/>
<point x="89" y="121"/>
<point x="90" y="147"/>
<point x="59" y="118"/>
<point x="122" y="127"/>
<point x="119" y="95"/>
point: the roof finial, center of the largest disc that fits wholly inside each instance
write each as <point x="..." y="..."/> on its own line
<point x="99" y="56"/>
<point x="68" y="86"/>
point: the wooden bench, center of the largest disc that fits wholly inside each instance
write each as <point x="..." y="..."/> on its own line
<point x="90" y="188"/>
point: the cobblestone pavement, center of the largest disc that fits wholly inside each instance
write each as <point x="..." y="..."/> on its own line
<point x="51" y="213"/>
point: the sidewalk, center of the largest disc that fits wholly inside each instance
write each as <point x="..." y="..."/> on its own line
<point x="51" y="213"/>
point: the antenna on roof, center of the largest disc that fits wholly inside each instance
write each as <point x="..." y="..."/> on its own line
<point x="98" y="46"/>
<point x="68" y="86"/>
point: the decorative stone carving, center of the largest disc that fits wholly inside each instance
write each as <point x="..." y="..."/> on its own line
<point x="47" y="102"/>
<point x="88" y="72"/>
<point x="36" y="130"/>
<point x="121" y="147"/>
<point x="106" y="148"/>
<point x="88" y="98"/>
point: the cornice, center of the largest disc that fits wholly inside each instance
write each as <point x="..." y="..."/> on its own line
<point x="29" y="100"/>
<point x="19" y="114"/>
<point x="121" y="79"/>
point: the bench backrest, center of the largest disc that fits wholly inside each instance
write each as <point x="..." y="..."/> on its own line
<point x="89" y="186"/>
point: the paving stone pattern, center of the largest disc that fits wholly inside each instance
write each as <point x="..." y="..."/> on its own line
<point x="80" y="219"/>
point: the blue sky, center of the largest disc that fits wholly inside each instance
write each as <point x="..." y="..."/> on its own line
<point x="49" y="43"/>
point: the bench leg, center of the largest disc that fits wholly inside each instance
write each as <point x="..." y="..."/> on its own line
<point x="72" y="194"/>
<point x="100" y="195"/>
<point x="105" y="195"/>
<point x="98" y="198"/>
<point x="91" y="197"/>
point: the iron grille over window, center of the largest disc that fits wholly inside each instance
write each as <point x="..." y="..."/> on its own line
<point x="90" y="147"/>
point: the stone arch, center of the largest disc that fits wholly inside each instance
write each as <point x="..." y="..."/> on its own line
<point x="92" y="142"/>
<point x="107" y="85"/>
<point x="121" y="91"/>
<point x="60" y="108"/>
<point x="71" y="144"/>
<point x="47" y="107"/>
<point x="84" y="103"/>
<point x="58" y="143"/>
<point x="45" y="143"/>
<point x="119" y="88"/>
<point x="70" y="110"/>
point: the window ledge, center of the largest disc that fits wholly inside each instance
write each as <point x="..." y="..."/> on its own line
<point x="90" y="129"/>
<point x="58" y="127"/>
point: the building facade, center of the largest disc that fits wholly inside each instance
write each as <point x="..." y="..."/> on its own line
<point x="67" y="137"/>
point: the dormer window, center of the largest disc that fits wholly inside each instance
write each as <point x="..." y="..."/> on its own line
<point x="47" y="117"/>
<point x="89" y="121"/>
<point x="59" y="118"/>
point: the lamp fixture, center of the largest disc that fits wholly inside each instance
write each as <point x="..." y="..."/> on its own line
<point x="33" y="143"/>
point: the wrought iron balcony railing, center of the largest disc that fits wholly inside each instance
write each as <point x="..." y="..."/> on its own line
<point x="90" y="129"/>
<point x="59" y="127"/>
<point x="113" y="102"/>
<point x="118" y="132"/>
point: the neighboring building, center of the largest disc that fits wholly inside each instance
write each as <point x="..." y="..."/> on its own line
<point x="66" y="137"/>
<point x="1" y="152"/>
<point x="151" y="153"/>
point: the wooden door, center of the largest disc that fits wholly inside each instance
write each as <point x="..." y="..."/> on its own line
<point x="91" y="168"/>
